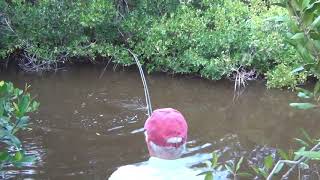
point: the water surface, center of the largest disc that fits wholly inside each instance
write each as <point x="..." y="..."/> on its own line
<point x="88" y="126"/>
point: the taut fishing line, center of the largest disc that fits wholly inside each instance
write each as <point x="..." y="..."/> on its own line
<point x="144" y="82"/>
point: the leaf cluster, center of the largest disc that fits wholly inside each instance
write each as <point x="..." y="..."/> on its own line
<point x="15" y="104"/>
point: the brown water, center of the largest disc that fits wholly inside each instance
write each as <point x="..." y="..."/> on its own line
<point x="86" y="127"/>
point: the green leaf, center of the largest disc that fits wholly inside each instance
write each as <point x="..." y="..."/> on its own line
<point x="302" y="142"/>
<point x="315" y="23"/>
<point x="268" y="162"/>
<point x="313" y="6"/>
<point x="229" y="168"/>
<point x="298" y="36"/>
<point x="256" y="170"/>
<point x="11" y="139"/>
<point x="296" y="157"/>
<point x="1" y="109"/>
<point x="4" y="156"/>
<point x="305" y="4"/>
<point x="239" y="164"/>
<point x="307" y="18"/>
<point x="303" y="95"/>
<point x="18" y="156"/>
<point x="307" y="92"/>
<point x="214" y="161"/>
<point x="306" y="136"/>
<point x="284" y="5"/>
<point x="277" y="19"/>
<point x="24" y="104"/>
<point x="302" y="106"/>
<point x="283" y="154"/>
<point x="263" y="172"/>
<point x="22" y="122"/>
<point x="316" y="88"/>
<point x="245" y="174"/>
<point x="296" y="70"/>
<point x="309" y="154"/>
<point x="208" y="176"/>
<point x="278" y="169"/>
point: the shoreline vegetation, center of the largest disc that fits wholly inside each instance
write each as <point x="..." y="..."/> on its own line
<point x="237" y="40"/>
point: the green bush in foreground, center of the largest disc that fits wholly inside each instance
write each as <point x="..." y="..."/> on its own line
<point x="15" y="104"/>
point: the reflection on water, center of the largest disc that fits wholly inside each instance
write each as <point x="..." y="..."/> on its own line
<point x="87" y="127"/>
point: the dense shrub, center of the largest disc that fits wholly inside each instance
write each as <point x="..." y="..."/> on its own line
<point x="15" y="105"/>
<point x="212" y="39"/>
<point x="205" y="37"/>
<point x="52" y="29"/>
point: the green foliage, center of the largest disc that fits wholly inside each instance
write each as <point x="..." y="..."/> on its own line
<point x="266" y="169"/>
<point x="50" y="29"/>
<point x="234" y="168"/>
<point x="212" y="39"/>
<point x="304" y="31"/>
<point x="214" y="166"/>
<point x="304" y="21"/>
<point x="204" y="37"/>
<point x="307" y="95"/>
<point x="269" y="167"/>
<point x="15" y="104"/>
<point x="283" y="76"/>
<point x="315" y="155"/>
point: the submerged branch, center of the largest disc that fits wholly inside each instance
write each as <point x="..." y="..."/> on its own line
<point x="240" y="78"/>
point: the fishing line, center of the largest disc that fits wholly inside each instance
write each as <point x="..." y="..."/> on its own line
<point x="144" y="82"/>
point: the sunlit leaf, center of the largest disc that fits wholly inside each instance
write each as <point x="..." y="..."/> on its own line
<point x="239" y="164"/>
<point x="302" y="106"/>
<point x="309" y="154"/>
<point x="316" y="22"/>
<point x="214" y="161"/>
<point x="303" y="95"/>
<point x="18" y="156"/>
<point x="299" y="69"/>
<point x="229" y="168"/>
<point x="279" y="168"/>
<point x="263" y="172"/>
<point x="298" y="36"/>
<point x="296" y="157"/>
<point x="208" y="176"/>
<point x="268" y="162"/>
<point x="305" y="4"/>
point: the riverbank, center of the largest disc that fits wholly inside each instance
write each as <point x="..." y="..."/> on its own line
<point x="179" y="38"/>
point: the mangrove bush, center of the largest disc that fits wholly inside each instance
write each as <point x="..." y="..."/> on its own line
<point x="213" y="39"/>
